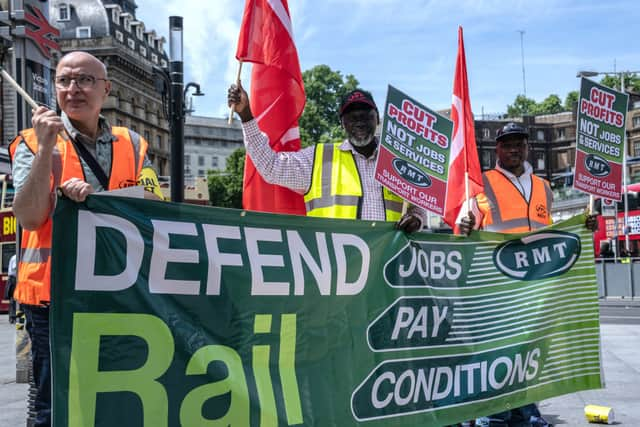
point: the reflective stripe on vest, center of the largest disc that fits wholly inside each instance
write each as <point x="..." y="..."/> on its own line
<point x="336" y="189"/>
<point x="34" y="270"/>
<point x="505" y="209"/>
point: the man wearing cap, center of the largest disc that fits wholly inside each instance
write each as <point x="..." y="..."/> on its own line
<point x="514" y="199"/>
<point x="311" y="171"/>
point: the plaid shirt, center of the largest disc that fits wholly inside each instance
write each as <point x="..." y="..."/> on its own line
<point x="294" y="169"/>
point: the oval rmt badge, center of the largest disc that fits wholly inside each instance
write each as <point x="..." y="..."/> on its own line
<point x="538" y="256"/>
<point x="411" y="173"/>
<point x="596" y="165"/>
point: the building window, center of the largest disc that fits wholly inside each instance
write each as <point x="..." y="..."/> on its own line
<point x="143" y="51"/>
<point x="134" y="128"/>
<point x="560" y="133"/>
<point x="64" y="12"/>
<point x="486" y="159"/>
<point x="636" y="121"/>
<point x="83" y="32"/>
<point x="540" y="135"/>
<point x="159" y="141"/>
<point x="115" y="15"/>
<point x="214" y="162"/>
<point x="119" y="36"/>
<point x="132" y="44"/>
<point x="163" y="63"/>
<point x="636" y="148"/>
<point x="154" y="58"/>
<point x="118" y="122"/>
<point x="200" y="172"/>
<point x="147" y="135"/>
<point x="539" y="160"/>
<point x="139" y="32"/>
<point x="200" y="160"/>
<point x="150" y="40"/>
<point x="486" y="133"/>
<point x="187" y="159"/>
<point x="127" y="24"/>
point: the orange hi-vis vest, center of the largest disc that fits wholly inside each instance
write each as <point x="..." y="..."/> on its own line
<point x="34" y="269"/>
<point x="505" y="208"/>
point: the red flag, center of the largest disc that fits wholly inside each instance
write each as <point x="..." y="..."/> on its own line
<point x="464" y="154"/>
<point x="277" y="97"/>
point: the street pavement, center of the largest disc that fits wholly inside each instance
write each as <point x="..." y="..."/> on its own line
<point x="620" y="357"/>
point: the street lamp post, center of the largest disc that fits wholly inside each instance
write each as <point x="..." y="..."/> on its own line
<point x="177" y="108"/>
<point x="622" y="75"/>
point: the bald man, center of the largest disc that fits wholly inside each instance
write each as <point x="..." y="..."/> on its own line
<point x="80" y="153"/>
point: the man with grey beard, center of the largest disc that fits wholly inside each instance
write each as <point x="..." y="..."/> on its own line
<point x="337" y="180"/>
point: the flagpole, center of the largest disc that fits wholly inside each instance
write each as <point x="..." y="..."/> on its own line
<point x="231" y="109"/>
<point x="18" y="88"/>
<point x="466" y="190"/>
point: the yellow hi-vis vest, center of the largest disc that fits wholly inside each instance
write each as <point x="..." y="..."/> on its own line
<point x="336" y="189"/>
<point x="505" y="208"/>
<point x="34" y="269"/>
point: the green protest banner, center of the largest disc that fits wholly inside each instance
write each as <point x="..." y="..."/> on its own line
<point x="600" y="144"/>
<point x="177" y="315"/>
<point x="413" y="157"/>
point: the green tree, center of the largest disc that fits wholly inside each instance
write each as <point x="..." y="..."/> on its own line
<point x="551" y="105"/>
<point x="631" y="82"/>
<point x="572" y="98"/>
<point x="521" y="106"/>
<point x="324" y="88"/>
<point x="225" y="187"/>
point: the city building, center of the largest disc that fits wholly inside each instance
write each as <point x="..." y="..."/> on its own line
<point x="134" y="56"/>
<point x="208" y="142"/>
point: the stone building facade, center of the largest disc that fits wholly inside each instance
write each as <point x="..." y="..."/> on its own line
<point x="134" y="56"/>
<point x="208" y="142"/>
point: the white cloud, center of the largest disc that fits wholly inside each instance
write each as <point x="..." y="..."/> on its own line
<point x="210" y="38"/>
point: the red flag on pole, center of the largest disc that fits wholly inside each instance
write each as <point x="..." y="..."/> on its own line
<point x="277" y="97"/>
<point x="464" y="154"/>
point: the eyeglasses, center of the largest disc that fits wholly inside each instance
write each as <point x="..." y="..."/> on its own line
<point x="83" y="81"/>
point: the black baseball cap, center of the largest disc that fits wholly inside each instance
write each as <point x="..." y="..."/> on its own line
<point x="357" y="96"/>
<point x="510" y="130"/>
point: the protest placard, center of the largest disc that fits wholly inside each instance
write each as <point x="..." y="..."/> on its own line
<point x="413" y="157"/>
<point x="600" y="140"/>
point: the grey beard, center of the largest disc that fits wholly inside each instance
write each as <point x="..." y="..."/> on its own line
<point x="360" y="142"/>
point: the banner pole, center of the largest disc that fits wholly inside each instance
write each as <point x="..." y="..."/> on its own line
<point x="466" y="190"/>
<point x="231" y="109"/>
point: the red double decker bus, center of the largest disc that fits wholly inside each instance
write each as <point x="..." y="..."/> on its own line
<point x="607" y="236"/>
<point x="7" y="235"/>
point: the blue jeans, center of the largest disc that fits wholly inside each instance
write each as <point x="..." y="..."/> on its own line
<point x="517" y="417"/>
<point x="38" y="329"/>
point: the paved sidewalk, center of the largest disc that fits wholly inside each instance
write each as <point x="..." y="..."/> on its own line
<point x="621" y="361"/>
<point x="13" y="397"/>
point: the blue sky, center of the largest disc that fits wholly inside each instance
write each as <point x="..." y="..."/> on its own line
<point x="412" y="44"/>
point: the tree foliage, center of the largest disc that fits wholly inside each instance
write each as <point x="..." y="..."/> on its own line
<point x="324" y="88"/>
<point x="521" y="106"/>
<point x="527" y="106"/>
<point x="225" y="187"/>
<point x="631" y="82"/>
<point x="571" y="99"/>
